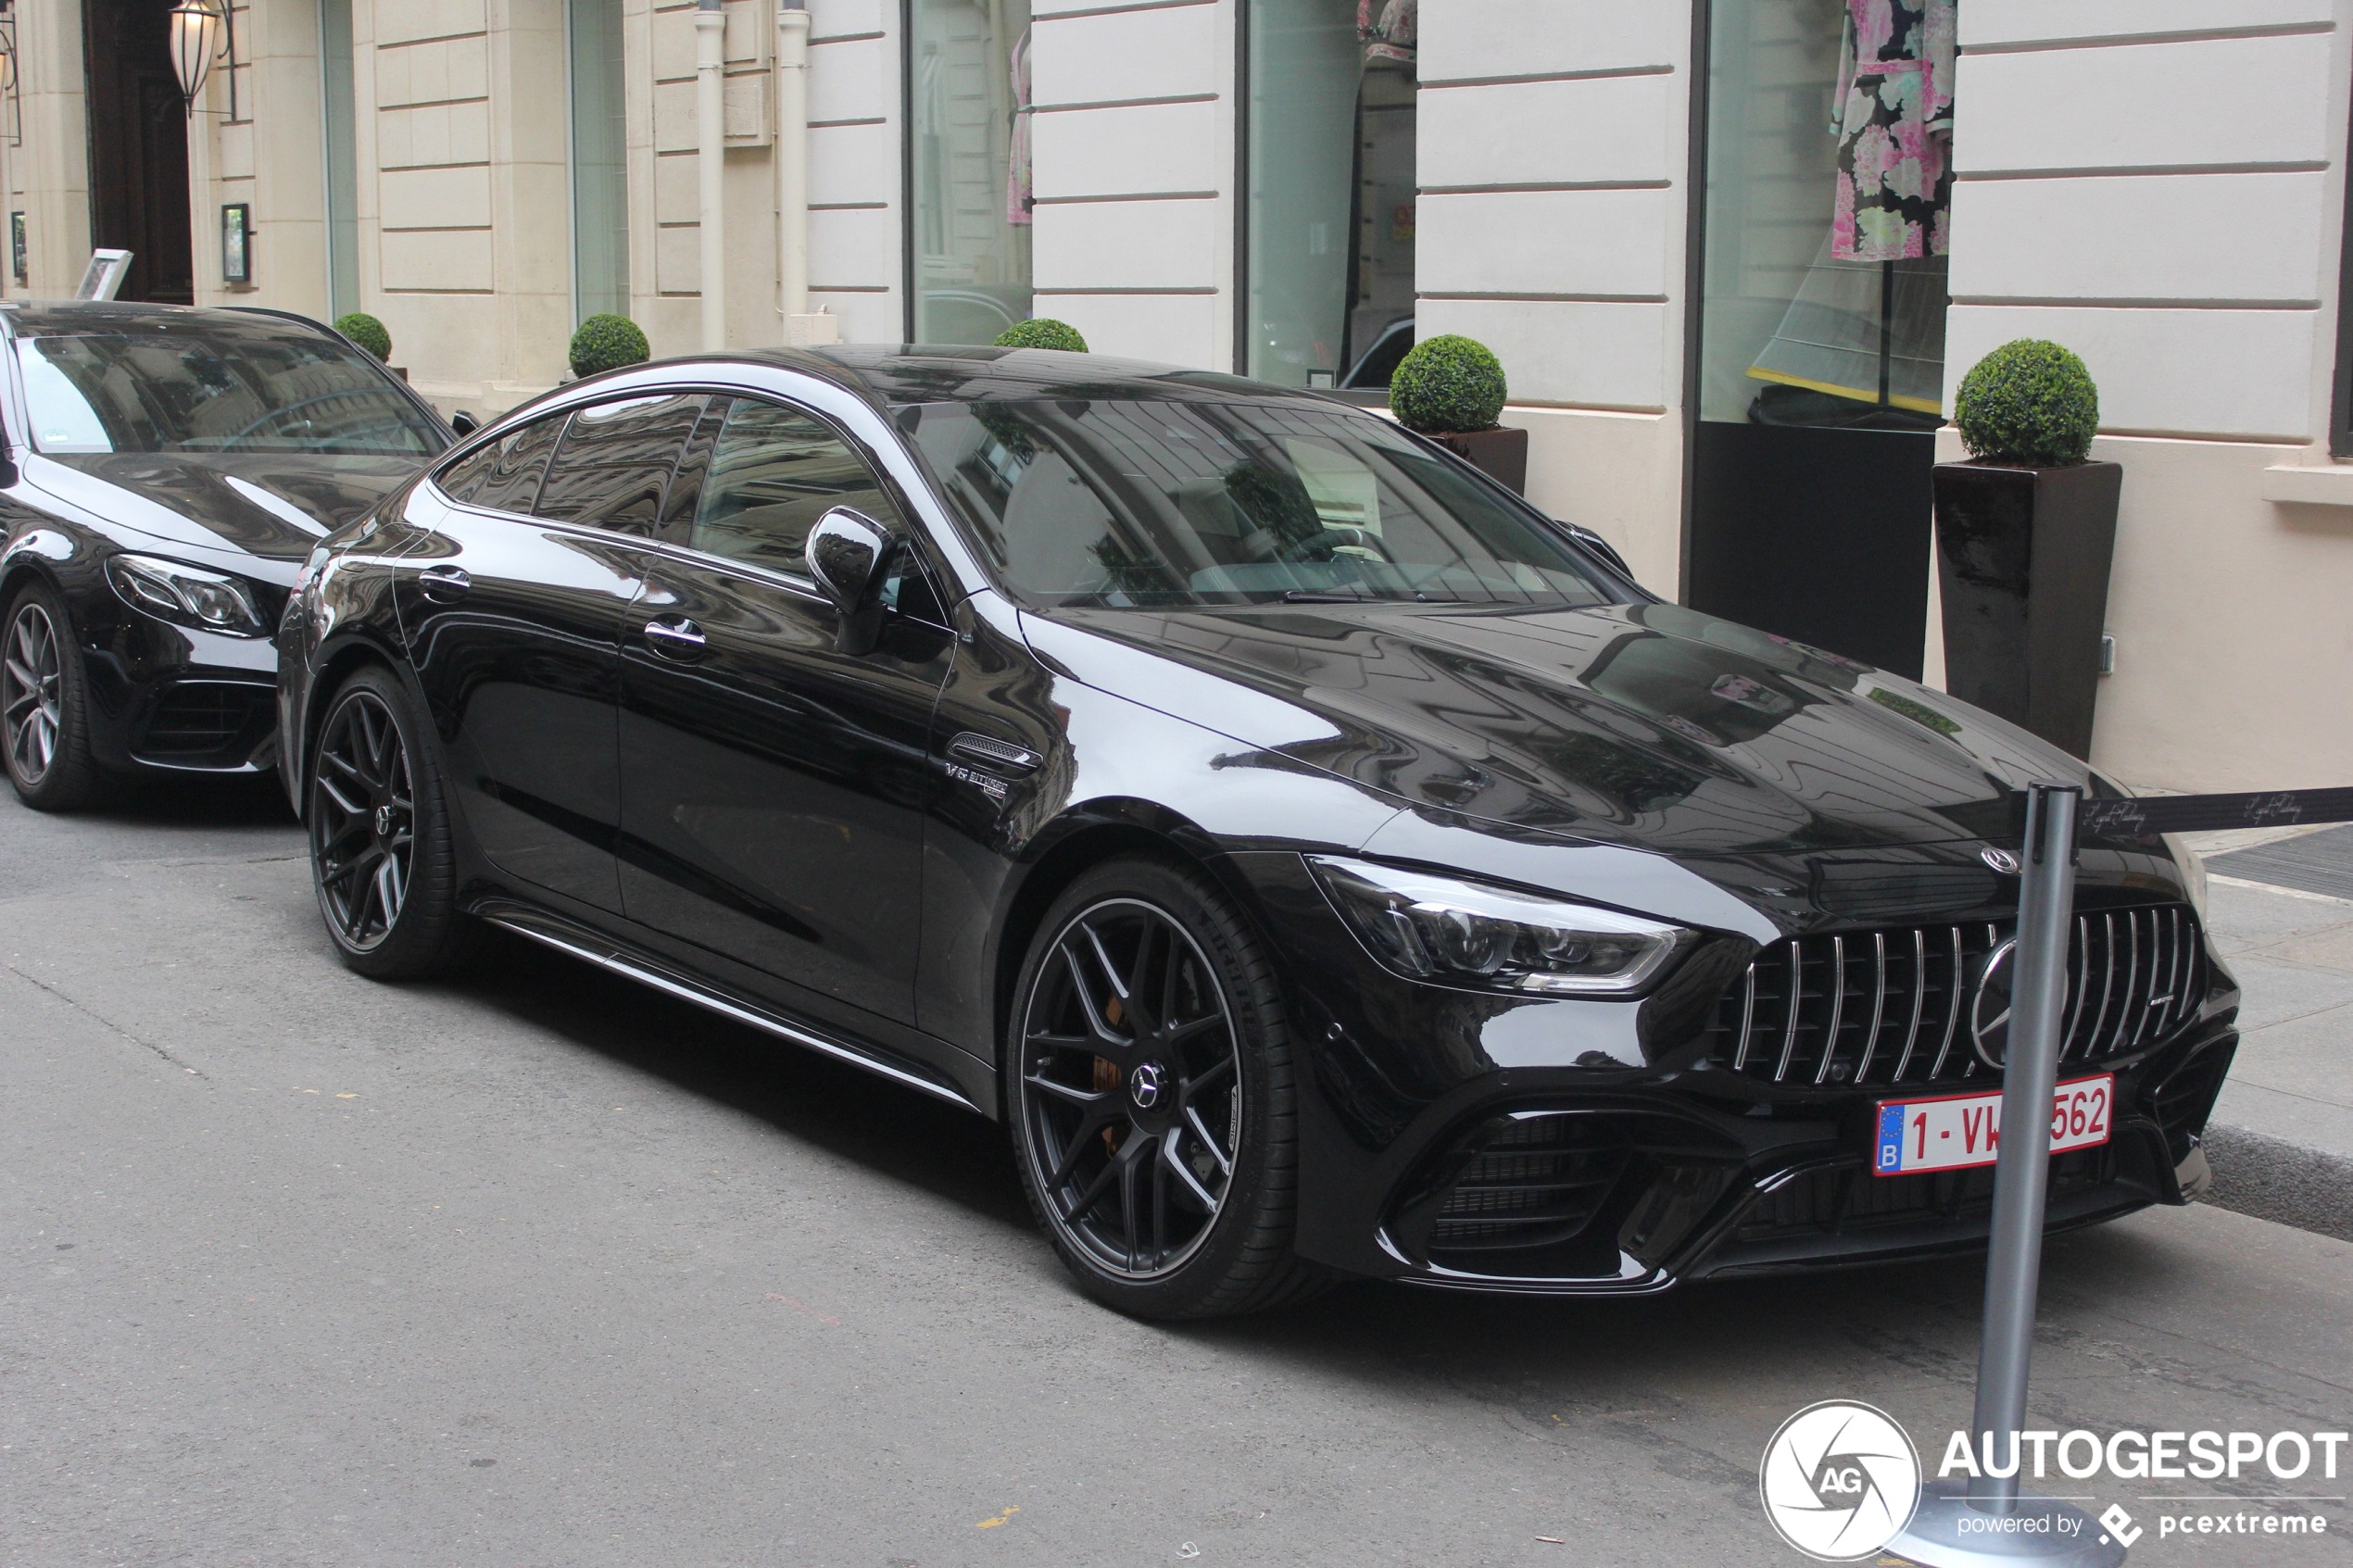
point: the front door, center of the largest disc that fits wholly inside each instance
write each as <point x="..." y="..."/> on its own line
<point x="773" y="786"/>
<point x="139" y="147"/>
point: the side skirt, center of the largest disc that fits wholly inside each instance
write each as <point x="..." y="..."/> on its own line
<point x="552" y="931"/>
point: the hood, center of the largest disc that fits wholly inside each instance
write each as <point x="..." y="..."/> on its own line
<point x="1649" y="726"/>
<point x="272" y="504"/>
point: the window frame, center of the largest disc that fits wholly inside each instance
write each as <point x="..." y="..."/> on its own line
<point x="907" y="530"/>
<point x="661" y="504"/>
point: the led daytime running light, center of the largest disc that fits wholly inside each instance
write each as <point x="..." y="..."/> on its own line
<point x="185" y="595"/>
<point x="1446" y="931"/>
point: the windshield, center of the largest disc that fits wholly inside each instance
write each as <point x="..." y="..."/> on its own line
<point x="215" y="387"/>
<point x="1149" y="502"/>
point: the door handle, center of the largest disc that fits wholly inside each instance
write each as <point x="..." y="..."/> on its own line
<point x="444" y="582"/>
<point x="675" y="636"/>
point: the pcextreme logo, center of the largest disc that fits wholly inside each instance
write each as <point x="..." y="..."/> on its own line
<point x="1840" y="1480"/>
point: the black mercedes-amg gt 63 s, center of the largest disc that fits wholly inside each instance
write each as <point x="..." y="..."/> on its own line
<point x="1324" y="863"/>
<point x="166" y="471"/>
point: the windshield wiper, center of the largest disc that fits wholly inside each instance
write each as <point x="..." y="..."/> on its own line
<point x="1334" y="597"/>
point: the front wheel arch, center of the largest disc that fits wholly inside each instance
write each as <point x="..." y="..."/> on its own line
<point x="1083" y="839"/>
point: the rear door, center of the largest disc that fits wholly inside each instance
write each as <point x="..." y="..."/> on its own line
<point x="513" y="610"/>
<point x="773" y="787"/>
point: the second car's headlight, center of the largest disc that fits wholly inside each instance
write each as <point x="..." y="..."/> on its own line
<point x="187" y="595"/>
<point x="1450" y="933"/>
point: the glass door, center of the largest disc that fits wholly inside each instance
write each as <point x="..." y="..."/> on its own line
<point x="1327" y="262"/>
<point x="969" y="101"/>
<point x="599" y="159"/>
<point x="1821" y="343"/>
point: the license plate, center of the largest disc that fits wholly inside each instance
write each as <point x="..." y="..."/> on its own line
<point x="1954" y="1132"/>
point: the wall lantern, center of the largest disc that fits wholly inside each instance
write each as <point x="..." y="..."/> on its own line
<point x="196" y="31"/>
<point x="236" y="242"/>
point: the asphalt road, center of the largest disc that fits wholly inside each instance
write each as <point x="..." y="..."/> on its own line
<point x="540" y="1269"/>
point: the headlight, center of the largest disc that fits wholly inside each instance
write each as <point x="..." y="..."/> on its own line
<point x="1449" y="933"/>
<point x="2193" y="867"/>
<point x="186" y="596"/>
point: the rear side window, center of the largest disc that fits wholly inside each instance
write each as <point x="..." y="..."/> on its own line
<point x="615" y="462"/>
<point x="504" y="475"/>
<point x="774" y="472"/>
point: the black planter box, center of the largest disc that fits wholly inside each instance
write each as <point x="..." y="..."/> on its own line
<point x="1501" y="454"/>
<point x="2022" y="558"/>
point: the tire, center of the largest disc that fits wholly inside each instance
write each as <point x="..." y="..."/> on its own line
<point x="44" y="705"/>
<point x="377" y="816"/>
<point x="1150" y="1092"/>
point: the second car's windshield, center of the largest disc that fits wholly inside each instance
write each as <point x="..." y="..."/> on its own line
<point x="1155" y="503"/>
<point x="215" y="389"/>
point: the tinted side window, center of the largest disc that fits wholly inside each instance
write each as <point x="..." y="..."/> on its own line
<point x="504" y="475"/>
<point x="615" y="462"/>
<point x="772" y="474"/>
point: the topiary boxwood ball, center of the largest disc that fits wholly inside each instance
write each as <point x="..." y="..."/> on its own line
<point x="2029" y="402"/>
<point x="1448" y="383"/>
<point x="1042" y="331"/>
<point x="607" y="342"/>
<point x="367" y="332"/>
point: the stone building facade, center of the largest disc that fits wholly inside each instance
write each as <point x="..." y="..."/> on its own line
<point x="1634" y="204"/>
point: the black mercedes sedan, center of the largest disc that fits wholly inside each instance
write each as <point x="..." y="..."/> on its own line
<point x="1322" y="862"/>
<point x="166" y="471"/>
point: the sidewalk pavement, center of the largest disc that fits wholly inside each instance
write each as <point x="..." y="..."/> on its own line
<point x="2282" y="1138"/>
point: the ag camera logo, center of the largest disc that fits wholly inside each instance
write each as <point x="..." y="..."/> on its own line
<point x="1840" y="1480"/>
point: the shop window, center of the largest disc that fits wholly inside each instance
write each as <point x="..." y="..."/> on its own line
<point x="1329" y="166"/>
<point x="968" y="90"/>
<point x="1819" y="368"/>
<point x="593" y="59"/>
<point x="1829" y="179"/>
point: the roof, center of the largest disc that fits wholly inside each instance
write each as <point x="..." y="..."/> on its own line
<point x="903" y="373"/>
<point x="74" y="318"/>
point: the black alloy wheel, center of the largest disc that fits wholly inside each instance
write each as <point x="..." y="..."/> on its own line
<point x="1152" y="1098"/>
<point x="42" y="723"/>
<point x="378" y="835"/>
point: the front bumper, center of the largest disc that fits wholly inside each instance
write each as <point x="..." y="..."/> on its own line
<point x="1451" y="1140"/>
<point x="175" y="699"/>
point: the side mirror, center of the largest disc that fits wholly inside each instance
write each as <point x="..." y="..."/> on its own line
<point x="464" y="422"/>
<point x="1601" y="548"/>
<point x="848" y="554"/>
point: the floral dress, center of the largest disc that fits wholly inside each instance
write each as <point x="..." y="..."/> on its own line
<point x="1390" y="30"/>
<point x="1893" y="120"/>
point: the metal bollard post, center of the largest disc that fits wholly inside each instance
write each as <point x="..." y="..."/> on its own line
<point x="1950" y="1528"/>
<point x="2021" y="1174"/>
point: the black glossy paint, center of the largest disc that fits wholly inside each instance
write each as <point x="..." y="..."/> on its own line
<point x="255" y="515"/>
<point x="855" y="847"/>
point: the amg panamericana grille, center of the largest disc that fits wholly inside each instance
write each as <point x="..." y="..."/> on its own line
<point x="1898" y="1006"/>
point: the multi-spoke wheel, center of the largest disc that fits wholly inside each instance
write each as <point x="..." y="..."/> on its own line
<point x="363" y="819"/>
<point x="1150" y="1095"/>
<point x="378" y="835"/>
<point x="42" y="723"/>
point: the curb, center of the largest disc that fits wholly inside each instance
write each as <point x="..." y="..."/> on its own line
<point x="2291" y="1183"/>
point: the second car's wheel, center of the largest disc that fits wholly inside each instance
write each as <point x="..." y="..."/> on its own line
<point x="1152" y="1098"/>
<point x="43" y="704"/>
<point x="379" y="848"/>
